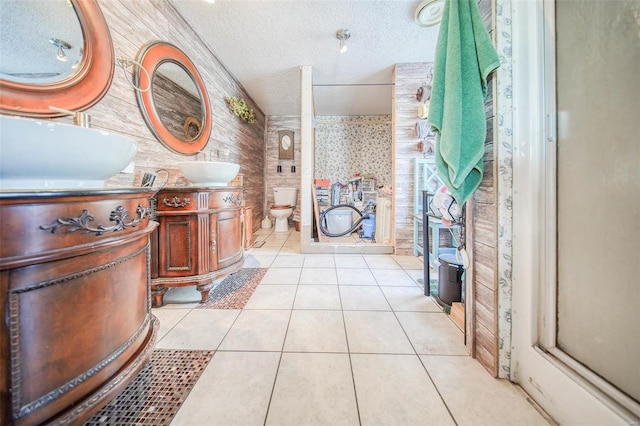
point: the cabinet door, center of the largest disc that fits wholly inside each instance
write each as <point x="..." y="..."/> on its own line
<point x="228" y="236"/>
<point x="177" y="246"/>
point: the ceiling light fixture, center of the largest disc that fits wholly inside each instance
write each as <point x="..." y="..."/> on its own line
<point x="61" y="45"/>
<point x="429" y="13"/>
<point x="210" y="1"/>
<point x="343" y="36"/>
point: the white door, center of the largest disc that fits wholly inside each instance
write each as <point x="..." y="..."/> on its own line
<point x="576" y="277"/>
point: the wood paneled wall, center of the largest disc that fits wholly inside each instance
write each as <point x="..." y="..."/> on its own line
<point x="407" y="79"/>
<point x="483" y="240"/>
<point x="132" y="25"/>
<point x="482" y="220"/>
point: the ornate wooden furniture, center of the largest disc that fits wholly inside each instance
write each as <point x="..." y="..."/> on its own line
<point x="199" y="238"/>
<point x="75" y="295"/>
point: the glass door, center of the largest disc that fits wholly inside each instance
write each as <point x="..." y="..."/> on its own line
<point x="577" y="208"/>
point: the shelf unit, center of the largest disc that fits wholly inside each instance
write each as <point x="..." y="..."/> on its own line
<point x="425" y="178"/>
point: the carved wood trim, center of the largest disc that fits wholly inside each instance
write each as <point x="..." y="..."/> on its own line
<point x="119" y="215"/>
<point x="176" y="202"/>
<point x="20" y="410"/>
<point x="122" y="379"/>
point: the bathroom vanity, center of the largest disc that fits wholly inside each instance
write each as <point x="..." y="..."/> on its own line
<point x="199" y="238"/>
<point x="75" y="295"/>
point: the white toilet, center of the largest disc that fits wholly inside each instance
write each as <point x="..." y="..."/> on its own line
<point x="285" y="200"/>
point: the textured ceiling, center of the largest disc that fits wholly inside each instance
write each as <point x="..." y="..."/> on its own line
<point x="263" y="43"/>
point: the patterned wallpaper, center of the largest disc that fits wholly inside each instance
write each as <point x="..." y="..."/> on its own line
<point x="505" y="184"/>
<point x="355" y="144"/>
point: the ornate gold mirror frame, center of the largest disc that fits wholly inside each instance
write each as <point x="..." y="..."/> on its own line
<point x="81" y="90"/>
<point x="151" y="57"/>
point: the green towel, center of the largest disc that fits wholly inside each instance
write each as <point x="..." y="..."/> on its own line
<point x="464" y="59"/>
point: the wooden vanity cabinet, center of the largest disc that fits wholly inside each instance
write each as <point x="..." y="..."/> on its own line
<point x="75" y="298"/>
<point x="199" y="238"/>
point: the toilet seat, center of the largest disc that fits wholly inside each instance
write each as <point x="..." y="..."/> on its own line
<point x="280" y="206"/>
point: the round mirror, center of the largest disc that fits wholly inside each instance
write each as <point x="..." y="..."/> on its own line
<point x="54" y="52"/>
<point x="176" y="108"/>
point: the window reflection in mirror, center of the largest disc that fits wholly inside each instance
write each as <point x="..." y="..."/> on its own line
<point x="41" y="42"/>
<point x="177" y="101"/>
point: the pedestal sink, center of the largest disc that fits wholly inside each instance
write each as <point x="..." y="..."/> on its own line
<point x="41" y="154"/>
<point x="209" y="173"/>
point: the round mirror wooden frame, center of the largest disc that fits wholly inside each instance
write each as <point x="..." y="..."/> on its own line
<point x="81" y="90"/>
<point x="151" y="57"/>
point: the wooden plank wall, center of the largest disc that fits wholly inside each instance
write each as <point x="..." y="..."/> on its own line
<point x="132" y="25"/>
<point x="407" y="79"/>
<point x="484" y="240"/>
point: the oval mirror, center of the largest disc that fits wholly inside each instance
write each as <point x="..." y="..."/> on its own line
<point x="176" y="108"/>
<point x="54" y="52"/>
<point x="286" y="142"/>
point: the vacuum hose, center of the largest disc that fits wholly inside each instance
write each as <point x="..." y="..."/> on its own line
<point x="347" y="232"/>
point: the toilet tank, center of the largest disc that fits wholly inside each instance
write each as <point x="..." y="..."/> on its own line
<point x="285" y="196"/>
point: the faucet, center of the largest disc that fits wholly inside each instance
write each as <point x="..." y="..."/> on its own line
<point x="80" y="118"/>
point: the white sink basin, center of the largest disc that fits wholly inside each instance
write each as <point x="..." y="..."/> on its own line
<point x="40" y="154"/>
<point x="209" y="173"/>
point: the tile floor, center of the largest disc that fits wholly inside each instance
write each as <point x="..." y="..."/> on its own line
<point x="335" y="340"/>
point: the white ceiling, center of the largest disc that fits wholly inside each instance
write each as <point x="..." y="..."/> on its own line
<point x="263" y="43"/>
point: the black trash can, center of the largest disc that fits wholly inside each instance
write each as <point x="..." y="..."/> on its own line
<point x="449" y="279"/>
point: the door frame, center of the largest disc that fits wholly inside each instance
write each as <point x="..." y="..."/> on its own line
<point x="557" y="385"/>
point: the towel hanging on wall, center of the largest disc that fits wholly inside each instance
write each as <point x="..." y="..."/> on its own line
<point x="464" y="59"/>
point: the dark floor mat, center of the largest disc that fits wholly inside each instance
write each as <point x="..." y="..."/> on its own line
<point x="157" y="392"/>
<point x="235" y="290"/>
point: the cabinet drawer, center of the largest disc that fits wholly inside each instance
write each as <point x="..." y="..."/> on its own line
<point x="171" y="201"/>
<point x="222" y="199"/>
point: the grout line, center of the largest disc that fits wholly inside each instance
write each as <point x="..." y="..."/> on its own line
<point x="423" y="366"/>
<point x="346" y="336"/>
<point x="284" y="341"/>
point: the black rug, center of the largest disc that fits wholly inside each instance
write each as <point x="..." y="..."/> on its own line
<point x="157" y="392"/>
<point x="235" y="290"/>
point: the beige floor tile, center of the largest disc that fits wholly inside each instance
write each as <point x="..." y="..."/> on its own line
<point x="363" y="298"/>
<point x="258" y="261"/>
<point x="355" y="277"/>
<point x="279" y="236"/>
<point x="319" y="261"/>
<point x="266" y="250"/>
<point x="409" y="299"/>
<point x="381" y="261"/>
<point x="288" y="261"/>
<point x="316" y="331"/>
<point x="408" y="262"/>
<point x="168" y="319"/>
<point x="187" y="297"/>
<point x="313" y="296"/>
<point x="476" y="398"/>
<point x="318" y="276"/>
<point x="350" y="261"/>
<point x="395" y="390"/>
<point x="393" y="277"/>
<point x="201" y="329"/>
<point x="416" y="274"/>
<point x="433" y="333"/>
<point x="290" y="250"/>
<point x="375" y="333"/>
<point x="233" y="390"/>
<point x="256" y="330"/>
<point x="313" y="389"/>
<point x="281" y="276"/>
<point x="272" y="297"/>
